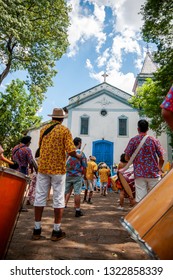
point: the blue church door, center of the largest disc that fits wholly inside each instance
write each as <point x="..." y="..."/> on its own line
<point x="103" y="151"/>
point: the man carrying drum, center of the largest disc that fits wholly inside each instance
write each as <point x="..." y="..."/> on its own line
<point x="22" y="154"/>
<point x="148" y="161"/>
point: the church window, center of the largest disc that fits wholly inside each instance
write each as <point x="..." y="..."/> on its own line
<point x="103" y="112"/>
<point x="84" y="125"/>
<point x="122" y="123"/>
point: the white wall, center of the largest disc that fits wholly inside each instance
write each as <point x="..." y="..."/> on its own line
<point x="104" y="126"/>
<point x="101" y="127"/>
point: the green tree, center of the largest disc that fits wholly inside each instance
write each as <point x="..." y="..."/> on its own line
<point x="18" y="113"/>
<point x="147" y="100"/>
<point x="33" y="36"/>
<point x="157" y="29"/>
<point x="158" y="25"/>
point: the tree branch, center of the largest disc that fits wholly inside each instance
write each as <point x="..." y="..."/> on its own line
<point x="8" y="64"/>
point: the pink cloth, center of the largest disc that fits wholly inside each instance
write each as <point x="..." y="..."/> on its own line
<point x="168" y="102"/>
<point x="31" y="193"/>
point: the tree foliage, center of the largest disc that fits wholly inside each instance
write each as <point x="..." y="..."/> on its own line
<point x="148" y="96"/>
<point x="157" y="29"/>
<point x="158" y="25"/>
<point x="18" y="109"/>
<point x="33" y="36"/>
<point x="148" y="100"/>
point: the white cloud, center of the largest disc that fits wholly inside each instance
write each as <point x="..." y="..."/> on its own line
<point x="88" y="64"/>
<point x="131" y="15"/>
<point x="122" y="81"/>
<point x="99" y="12"/>
<point x="126" y="44"/>
<point x="102" y="59"/>
<point x="114" y="38"/>
<point x="84" y="26"/>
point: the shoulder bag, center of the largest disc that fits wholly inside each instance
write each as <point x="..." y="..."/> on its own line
<point x="126" y="174"/>
<point x="37" y="153"/>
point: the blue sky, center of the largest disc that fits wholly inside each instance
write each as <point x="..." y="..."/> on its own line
<point x="104" y="35"/>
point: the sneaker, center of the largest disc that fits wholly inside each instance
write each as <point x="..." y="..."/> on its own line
<point x="57" y="235"/>
<point x="84" y="200"/>
<point x="79" y="213"/>
<point x="36" y="234"/>
<point x="120" y="208"/>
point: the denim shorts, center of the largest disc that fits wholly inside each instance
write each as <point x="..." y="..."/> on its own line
<point x="76" y="182"/>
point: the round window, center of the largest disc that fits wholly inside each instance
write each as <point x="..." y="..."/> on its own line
<point x="103" y="112"/>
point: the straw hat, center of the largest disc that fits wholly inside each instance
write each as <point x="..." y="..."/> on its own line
<point x="58" y="113"/>
<point x="92" y="158"/>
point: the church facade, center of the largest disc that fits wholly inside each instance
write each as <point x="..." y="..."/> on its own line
<point x="103" y="118"/>
<point x="105" y="121"/>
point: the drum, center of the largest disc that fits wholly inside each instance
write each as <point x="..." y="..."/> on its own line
<point x="12" y="189"/>
<point x="150" y="222"/>
<point x="127" y="181"/>
<point x="113" y="183"/>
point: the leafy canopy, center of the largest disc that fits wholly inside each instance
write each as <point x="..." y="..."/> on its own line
<point x="158" y="23"/>
<point x="146" y="101"/>
<point x="18" y="109"/>
<point x="33" y="35"/>
<point x="157" y="29"/>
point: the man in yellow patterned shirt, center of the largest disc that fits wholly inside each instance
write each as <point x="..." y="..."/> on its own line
<point x="52" y="171"/>
<point x="90" y="175"/>
<point x="104" y="173"/>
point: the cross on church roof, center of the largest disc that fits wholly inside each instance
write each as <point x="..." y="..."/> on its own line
<point x="104" y="76"/>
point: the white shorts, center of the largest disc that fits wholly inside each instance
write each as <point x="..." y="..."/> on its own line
<point x="43" y="184"/>
<point x="143" y="186"/>
<point x="103" y="185"/>
<point x="90" y="185"/>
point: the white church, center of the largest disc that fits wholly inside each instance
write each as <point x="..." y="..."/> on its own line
<point x="105" y="121"/>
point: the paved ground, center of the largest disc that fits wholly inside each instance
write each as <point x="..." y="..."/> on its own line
<point x="98" y="235"/>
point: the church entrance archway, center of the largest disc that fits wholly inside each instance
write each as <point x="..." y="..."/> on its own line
<point x="103" y="151"/>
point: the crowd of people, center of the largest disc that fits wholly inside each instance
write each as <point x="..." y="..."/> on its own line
<point x="63" y="167"/>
